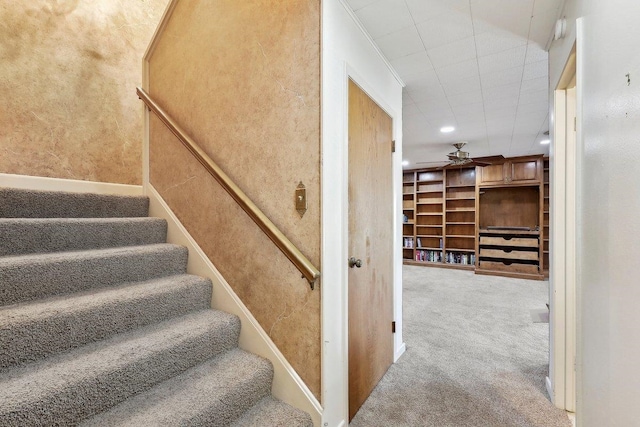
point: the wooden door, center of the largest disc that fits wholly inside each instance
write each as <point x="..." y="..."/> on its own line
<point x="371" y="241"/>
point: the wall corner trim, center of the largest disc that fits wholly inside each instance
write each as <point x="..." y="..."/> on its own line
<point x="42" y="183"/>
<point x="287" y="384"/>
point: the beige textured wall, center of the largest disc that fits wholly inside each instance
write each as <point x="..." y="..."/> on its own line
<point x="68" y="72"/>
<point x="243" y="78"/>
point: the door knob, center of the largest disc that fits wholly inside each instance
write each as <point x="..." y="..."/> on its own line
<point x="353" y="262"/>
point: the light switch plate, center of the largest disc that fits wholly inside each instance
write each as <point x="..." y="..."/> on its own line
<point x="301" y="199"/>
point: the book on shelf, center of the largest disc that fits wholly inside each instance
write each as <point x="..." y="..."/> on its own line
<point x="429" y="255"/>
<point x="408" y="243"/>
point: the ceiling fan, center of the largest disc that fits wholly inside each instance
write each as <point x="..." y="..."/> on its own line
<point x="461" y="158"/>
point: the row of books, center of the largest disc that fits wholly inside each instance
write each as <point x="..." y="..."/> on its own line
<point x="432" y="256"/>
<point x="460" y="258"/>
<point x="408" y="242"/>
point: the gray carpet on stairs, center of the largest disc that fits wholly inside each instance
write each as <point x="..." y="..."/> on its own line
<point x="28" y="277"/>
<point x="31" y="331"/>
<point x="99" y="323"/>
<point x="16" y="203"/>
<point x="474" y="357"/>
<point x="38" y="235"/>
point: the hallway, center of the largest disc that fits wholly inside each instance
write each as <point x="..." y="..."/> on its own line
<point x="474" y="357"/>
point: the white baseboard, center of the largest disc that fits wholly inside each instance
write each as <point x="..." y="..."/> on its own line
<point x="41" y="183"/>
<point x="287" y="384"/>
<point x="547" y="383"/>
<point x="400" y="352"/>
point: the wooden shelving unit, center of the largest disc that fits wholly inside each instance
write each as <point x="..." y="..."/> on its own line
<point x="460" y="225"/>
<point x="510" y="217"/>
<point x="408" y="212"/>
<point x="449" y="209"/>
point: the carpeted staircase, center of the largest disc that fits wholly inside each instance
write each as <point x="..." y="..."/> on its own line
<point x="101" y="326"/>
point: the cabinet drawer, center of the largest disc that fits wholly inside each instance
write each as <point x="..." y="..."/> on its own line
<point x="509" y="254"/>
<point x="513" y="267"/>
<point x="523" y="242"/>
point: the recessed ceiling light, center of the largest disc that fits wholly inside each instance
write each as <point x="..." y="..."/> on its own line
<point x="545" y="141"/>
<point x="447" y="129"/>
<point x="405" y="163"/>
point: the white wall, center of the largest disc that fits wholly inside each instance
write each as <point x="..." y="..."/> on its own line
<point x="608" y="207"/>
<point x="347" y="52"/>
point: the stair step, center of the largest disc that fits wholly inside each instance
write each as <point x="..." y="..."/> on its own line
<point x="18" y="203"/>
<point x="41" y="235"/>
<point x="30" y="277"/>
<point x="270" y="412"/>
<point x="212" y="394"/>
<point x="67" y="388"/>
<point x="32" y="331"/>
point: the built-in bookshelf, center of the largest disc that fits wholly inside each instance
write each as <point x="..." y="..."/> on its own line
<point x="408" y="215"/>
<point x="460" y="213"/>
<point x="443" y="221"/>
<point x="545" y="223"/>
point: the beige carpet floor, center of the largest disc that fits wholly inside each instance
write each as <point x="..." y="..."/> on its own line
<point x="474" y="356"/>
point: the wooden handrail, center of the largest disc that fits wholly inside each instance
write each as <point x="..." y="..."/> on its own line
<point x="308" y="270"/>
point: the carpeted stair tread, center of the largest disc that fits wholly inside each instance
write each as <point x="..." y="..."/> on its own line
<point x="18" y="203"/>
<point x="30" y="277"/>
<point x="41" y="235"/>
<point x="64" y="389"/>
<point x="34" y="330"/>
<point x="270" y="412"/>
<point x="212" y="394"/>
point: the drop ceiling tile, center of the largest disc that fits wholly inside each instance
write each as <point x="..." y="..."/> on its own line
<point x="433" y="95"/>
<point x="499" y="114"/>
<point x="455" y="87"/>
<point x="415" y="63"/>
<point x="458" y="71"/>
<point x="510" y="15"/>
<point x="536" y="106"/>
<point x="384" y="17"/>
<point x="541" y="83"/>
<point x="453" y="53"/>
<point x="502" y="60"/>
<point x="499" y="129"/>
<point x="424" y="78"/>
<point x="496" y="41"/>
<point x="536" y="97"/>
<point x="501" y="103"/>
<point x="400" y="43"/>
<point x="469" y="109"/>
<point x="492" y="94"/>
<point x="445" y="29"/>
<point x="535" y="53"/>
<point x="536" y="70"/>
<point x="423" y="10"/>
<point x="502" y="77"/>
<point x="529" y="127"/>
<point x="410" y="110"/>
<point x="465" y="98"/>
<point x="359" y="4"/>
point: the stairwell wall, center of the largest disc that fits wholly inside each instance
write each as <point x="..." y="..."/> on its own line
<point x="243" y="79"/>
<point x="68" y="72"/>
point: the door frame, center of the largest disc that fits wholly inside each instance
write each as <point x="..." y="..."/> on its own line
<point x="563" y="286"/>
<point x="335" y="246"/>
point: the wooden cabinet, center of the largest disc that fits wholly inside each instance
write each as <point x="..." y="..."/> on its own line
<point x="493" y="219"/>
<point x="516" y="171"/>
